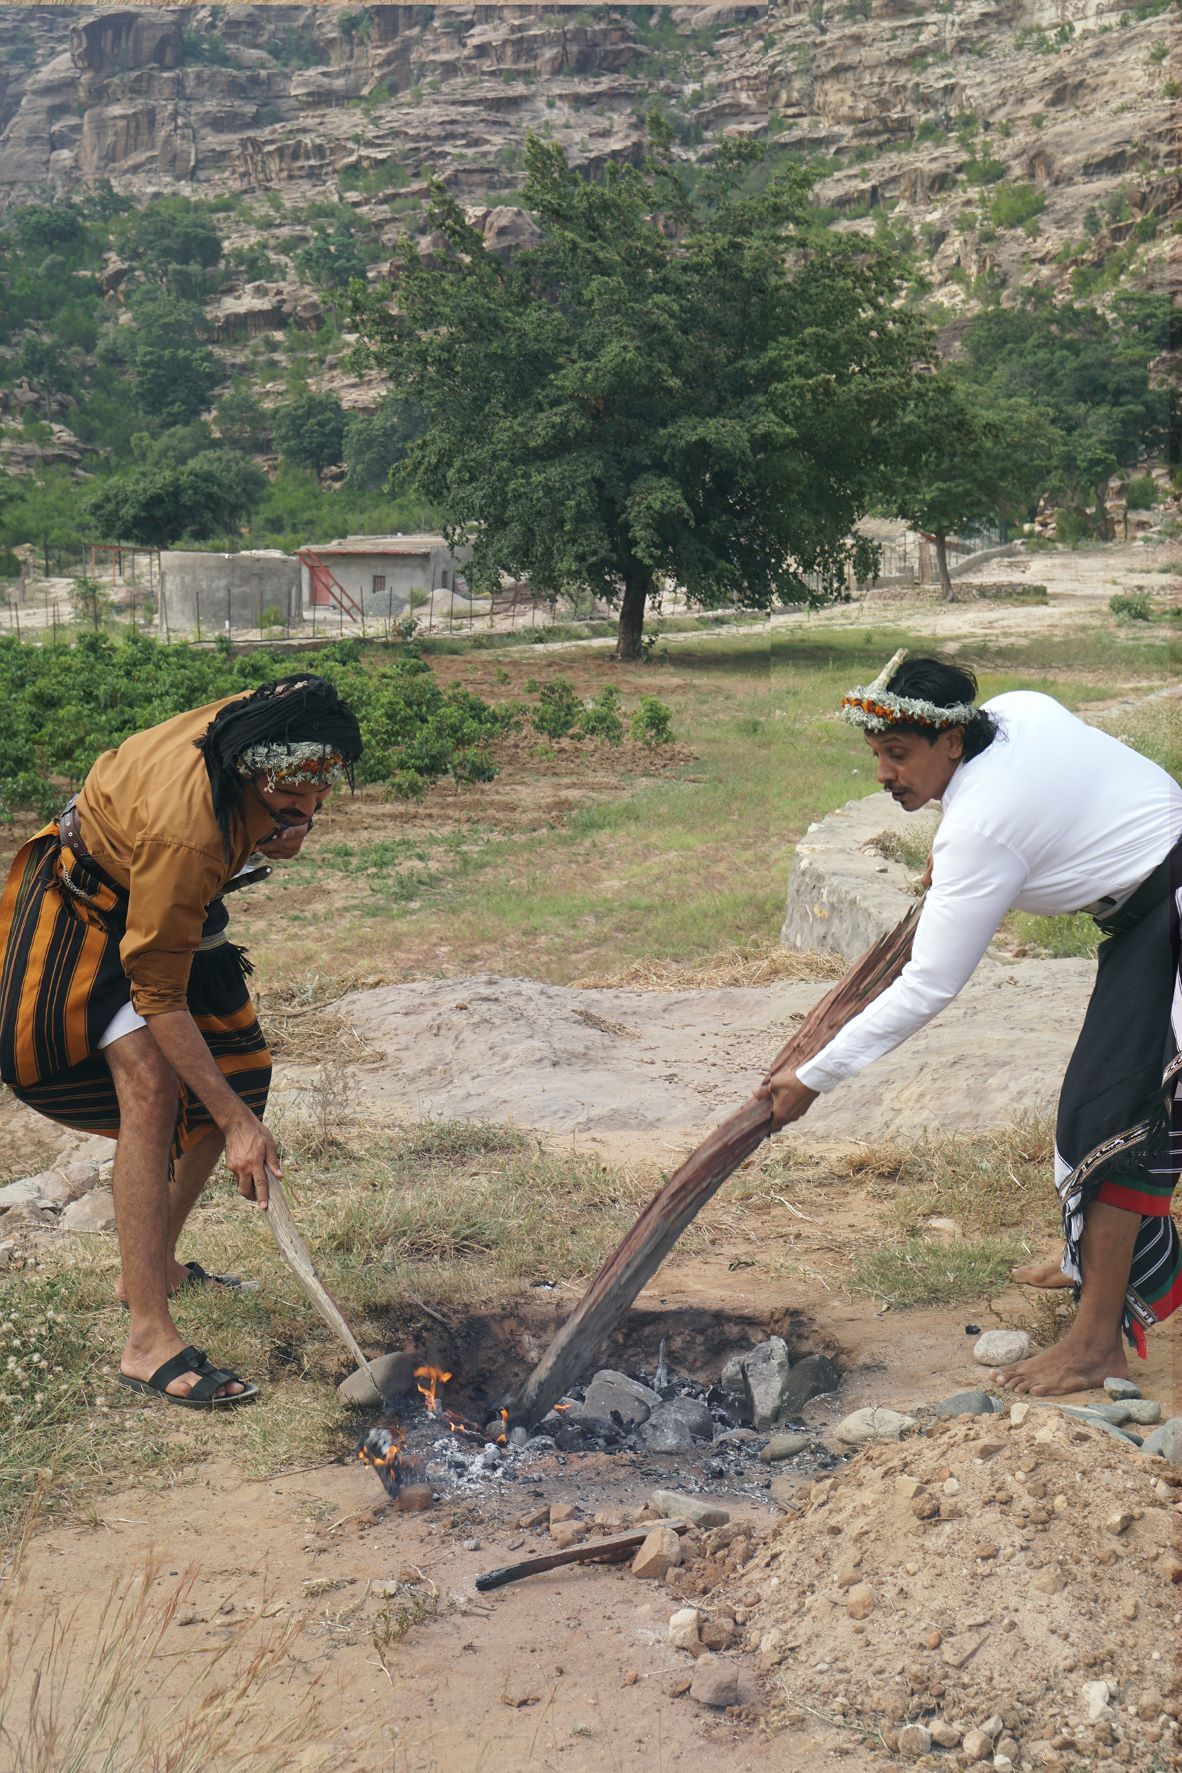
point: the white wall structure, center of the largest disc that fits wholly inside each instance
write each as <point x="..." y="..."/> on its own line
<point x="384" y="576"/>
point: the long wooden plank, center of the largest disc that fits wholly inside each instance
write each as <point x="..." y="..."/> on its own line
<point x="637" y="1258"/>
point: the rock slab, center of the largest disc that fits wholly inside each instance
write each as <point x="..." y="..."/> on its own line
<point x="698" y="1510"/>
<point x="612" y="1394"/>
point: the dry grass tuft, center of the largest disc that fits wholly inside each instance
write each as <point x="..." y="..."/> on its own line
<point x="762" y="963"/>
<point x="73" y="1699"/>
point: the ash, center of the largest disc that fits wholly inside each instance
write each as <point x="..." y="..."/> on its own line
<point x="705" y="1437"/>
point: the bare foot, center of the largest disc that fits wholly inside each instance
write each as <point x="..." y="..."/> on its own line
<point x="1041" y="1274"/>
<point x="140" y="1361"/>
<point x="1071" y="1365"/>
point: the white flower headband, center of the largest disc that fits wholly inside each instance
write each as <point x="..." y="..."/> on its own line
<point x="299" y="764"/>
<point x="873" y="708"/>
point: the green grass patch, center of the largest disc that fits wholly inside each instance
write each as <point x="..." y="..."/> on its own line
<point x="988" y="1182"/>
<point x="1055" y="938"/>
<point x="914" y="1271"/>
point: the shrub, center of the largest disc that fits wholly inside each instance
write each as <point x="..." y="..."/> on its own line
<point x="557" y="711"/>
<point x="1071" y="526"/>
<point x="652" y="723"/>
<point x="1013" y="205"/>
<point x="1141" y="493"/>
<point x="601" y="718"/>
<point x="1131" y="606"/>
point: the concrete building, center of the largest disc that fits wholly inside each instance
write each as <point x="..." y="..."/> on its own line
<point x="384" y="576"/>
<point x="207" y="594"/>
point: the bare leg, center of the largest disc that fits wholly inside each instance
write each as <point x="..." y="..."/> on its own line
<point x="190" y="1175"/>
<point x="1092" y="1349"/>
<point x="1041" y="1274"/>
<point x="147" y="1090"/>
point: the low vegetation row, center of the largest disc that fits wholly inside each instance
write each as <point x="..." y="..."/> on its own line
<point x="65" y="704"/>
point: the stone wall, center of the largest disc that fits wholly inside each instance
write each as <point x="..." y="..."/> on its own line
<point x="848" y="884"/>
<point x="210" y="592"/>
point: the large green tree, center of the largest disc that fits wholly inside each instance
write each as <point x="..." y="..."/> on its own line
<point x="309" y="430"/>
<point x="676" y="384"/>
<point x="964" y="460"/>
<point x="212" y="494"/>
<point x="1091" y="372"/>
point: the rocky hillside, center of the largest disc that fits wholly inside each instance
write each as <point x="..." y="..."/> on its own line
<point x="1010" y="140"/>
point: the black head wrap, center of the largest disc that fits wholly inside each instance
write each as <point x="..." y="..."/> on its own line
<point x="292" y="710"/>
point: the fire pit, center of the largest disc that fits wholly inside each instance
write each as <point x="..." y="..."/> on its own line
<point x="669" y="1404"/>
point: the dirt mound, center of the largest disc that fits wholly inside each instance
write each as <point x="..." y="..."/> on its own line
<point x="986" y="1573"/>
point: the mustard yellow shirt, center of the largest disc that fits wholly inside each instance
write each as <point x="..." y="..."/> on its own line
<point x="146" y="816"/>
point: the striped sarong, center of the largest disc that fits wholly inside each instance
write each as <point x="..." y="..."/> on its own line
<point x="1118" y="1137"/>
<point x="62" y="982"/>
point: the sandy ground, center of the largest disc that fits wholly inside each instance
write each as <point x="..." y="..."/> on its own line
<point x="573" y="1671"/>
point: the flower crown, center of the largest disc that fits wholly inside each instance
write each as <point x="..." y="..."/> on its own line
<point x="873" y="708"/>
<point x="300" y="764"/>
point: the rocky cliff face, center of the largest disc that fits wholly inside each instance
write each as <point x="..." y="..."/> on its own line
<point x="1007" y="142"/>
<point x="931" y="115"/>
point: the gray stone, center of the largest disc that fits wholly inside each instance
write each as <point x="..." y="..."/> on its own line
<point x="610" y="1394"/>
<point x="1165" y="1442"/>
<point x="25" y="1193"/>
<point x="1117" y="1412"/>
<point x="93" y="1212"/>
<point x="999" y="1348"/>
<point x="393" y="1374"/>
<point x="715" y="1683"/>
<point x="873" y="1424"/>
<point x="784" y="1446"/>
<point x="671" y="1505"/>
<point x="966" y="1403"/>
<point x="1121" y="1388"/>
<point x="1144" y="1411"/>
<point x="667" y="1432"/>
<point x="737" y="1437"/>
<point x="914" y="1740"/>
<point x="734" y="1388"/>
<point x="766" y="1371"/>
<point x="811" y="1377"/>
<point x="693" y="1412"/>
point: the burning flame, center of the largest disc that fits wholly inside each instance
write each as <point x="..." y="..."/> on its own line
<point x="503" y="1437"/>
<point x="379" y="1450"/>
<point x="429" y="1379"/>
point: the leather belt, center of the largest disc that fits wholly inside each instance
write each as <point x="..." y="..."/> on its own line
<point x="70" y="833"/>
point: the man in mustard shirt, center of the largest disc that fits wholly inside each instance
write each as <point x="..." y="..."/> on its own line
<point x="123" y="1006"/>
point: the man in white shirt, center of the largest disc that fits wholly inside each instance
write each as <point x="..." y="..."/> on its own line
<point x="1046" y="814"/>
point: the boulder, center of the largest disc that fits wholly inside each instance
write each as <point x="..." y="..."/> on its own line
<point x="1165" y="1442"/>
<point x="666" y="1432"/>
<point x="93" y="1212"/>
<point x="999" y="1348"/>
<point x="873" y="1424"/>
<point x="659" y="1553"/>
<point x="715" y="1683"/>
<point x="966" y="1403"/>
<point x="810" y="1377"/>
<point x="783" y="1446"/>
<point x="765" y="1372"/>
<point x="394" y="1375"/>
<point x="673" y="1506"/>
<point x="613" y="1395"/>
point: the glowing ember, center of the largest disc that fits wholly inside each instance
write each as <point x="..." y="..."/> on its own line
<point x="429" y="1379"/>
<point x="379" y="1450"/>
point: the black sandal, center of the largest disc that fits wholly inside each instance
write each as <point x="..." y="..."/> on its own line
<point x="199" y="1277"/>
<point x="201" y="1396"/>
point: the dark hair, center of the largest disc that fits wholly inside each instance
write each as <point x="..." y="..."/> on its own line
<point x="291" y="708"/>
<point x="940" y="681"/>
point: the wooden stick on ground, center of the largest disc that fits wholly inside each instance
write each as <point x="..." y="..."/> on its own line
<point x="595" y="1551"/>
<point x="658" y="1228"/>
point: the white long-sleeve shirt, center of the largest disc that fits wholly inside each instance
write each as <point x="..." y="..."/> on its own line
<point x="1052" y="818"/>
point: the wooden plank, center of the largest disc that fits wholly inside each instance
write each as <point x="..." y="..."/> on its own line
<point x="640" y="1254"/>
<point x="593" y="1551"/>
